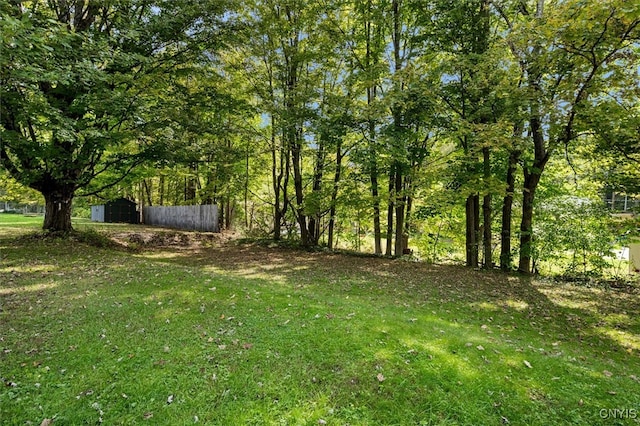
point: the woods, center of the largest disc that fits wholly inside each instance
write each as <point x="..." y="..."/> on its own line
<point x="435" y="127"/>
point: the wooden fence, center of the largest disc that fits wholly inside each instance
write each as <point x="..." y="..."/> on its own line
<point x="191" y="218"/>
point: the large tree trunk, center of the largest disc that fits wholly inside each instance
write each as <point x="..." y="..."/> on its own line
<point x="526" y="225"/>
<point x="507" y="207"/>
<point x="57" y="216"/>
<point x="532" y="177"/>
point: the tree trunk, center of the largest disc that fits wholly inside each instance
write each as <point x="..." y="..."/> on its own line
<point x="314" y="218"/>
<point x="532" y="177"/>
<point x="191" y="184"/>
<point x="390" y="207"/>
<point x="161" y="190"/>
<point x="400" y="200"/>
<point x="507" y="207"/>
<point x="279" y="172"/>
<point x="228" y="213"/>
<point x="472" y="227"/>
<point x="334" y="194"/>
<point x="408" y="199"/>
<point x="372" y="94"/>
<point x="377" y="230"/>
<point x="57" y="216"/>
<point x="526" y="225"/>
<point x="486" y="232"/>
<point x="486" y="212"/>
<point x="221" y="212"/>
<point x="297" y="183"/>
<point x="247" y="221"/>
<point x="147" y="185"/>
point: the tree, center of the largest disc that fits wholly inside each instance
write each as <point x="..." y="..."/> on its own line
<point x="470" y="66"/>
<point x="73" y="78"/>
<point x="568" y="54"/>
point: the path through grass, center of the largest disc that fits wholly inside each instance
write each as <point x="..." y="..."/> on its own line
<point x="228" y="333"/>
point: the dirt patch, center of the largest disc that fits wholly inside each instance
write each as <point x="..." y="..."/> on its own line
<point x="162" y="239"/>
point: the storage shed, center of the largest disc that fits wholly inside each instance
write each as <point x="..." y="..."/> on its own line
<point x="118" y="210"/>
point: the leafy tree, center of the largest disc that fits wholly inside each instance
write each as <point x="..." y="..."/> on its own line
<point x="74" y="77"/>
<point x="471" y="68"/>
<point x="568" y="54"/>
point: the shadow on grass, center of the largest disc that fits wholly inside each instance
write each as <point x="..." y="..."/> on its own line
<point x="362" y="336"/>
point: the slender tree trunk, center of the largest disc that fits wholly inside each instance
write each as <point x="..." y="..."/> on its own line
<point x="400" y="200"/>
<point x="398" y="168"/>
<point x="277" y="174"/>
<point x="370" y="60"/>
<point x="147" y="184"/>
<point x="191" y="184"/>
<point x="486" y="212"/>
<point x="314" y="218"/>
<point x="407" y="216"/>
<point x="390" y="208"/>
<point x="507" y="207"/>
<point x="297" y="183"/>
<point x="228" y="213"/>
<point x="375" y="193"/>
<point x="57" y="215"/>
<point x="247" y="218"/>
<point x="161" y="190"/>
<point x="472" y="227"/>
<point x="334" y="193"/>
<point x="526" y="225"/>
<point x="486" y="232"/>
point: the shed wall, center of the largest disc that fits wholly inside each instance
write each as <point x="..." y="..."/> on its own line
<point x="97" y="213"/>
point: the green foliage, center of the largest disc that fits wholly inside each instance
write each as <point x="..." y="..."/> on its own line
<point x="575" y="235"/>
<point x="75" y="85"/>
<point x="286" y="113"/>
<point x="14" y="192"/>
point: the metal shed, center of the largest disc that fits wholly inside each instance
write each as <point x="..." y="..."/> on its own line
<point x="118" y="210"/>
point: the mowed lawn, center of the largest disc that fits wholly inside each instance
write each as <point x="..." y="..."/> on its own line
<point x="181" y="328"/>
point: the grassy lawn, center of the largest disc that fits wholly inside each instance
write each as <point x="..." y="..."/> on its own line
<point x="186" y="329"/>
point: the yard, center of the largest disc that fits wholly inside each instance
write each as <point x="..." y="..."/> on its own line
<point x="166" y="327"/>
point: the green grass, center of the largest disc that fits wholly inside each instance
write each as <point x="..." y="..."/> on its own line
<point x="240" y="334"/>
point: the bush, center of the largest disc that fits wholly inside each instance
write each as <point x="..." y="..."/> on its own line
<point x="575" y="235"/>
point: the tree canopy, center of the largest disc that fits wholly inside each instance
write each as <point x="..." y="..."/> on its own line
<point x="393" y="125"/>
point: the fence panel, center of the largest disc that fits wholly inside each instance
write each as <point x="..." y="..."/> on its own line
<point x="190" y="218"/>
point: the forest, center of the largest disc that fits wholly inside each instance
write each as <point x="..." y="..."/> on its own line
<point x="485" y="132"/>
